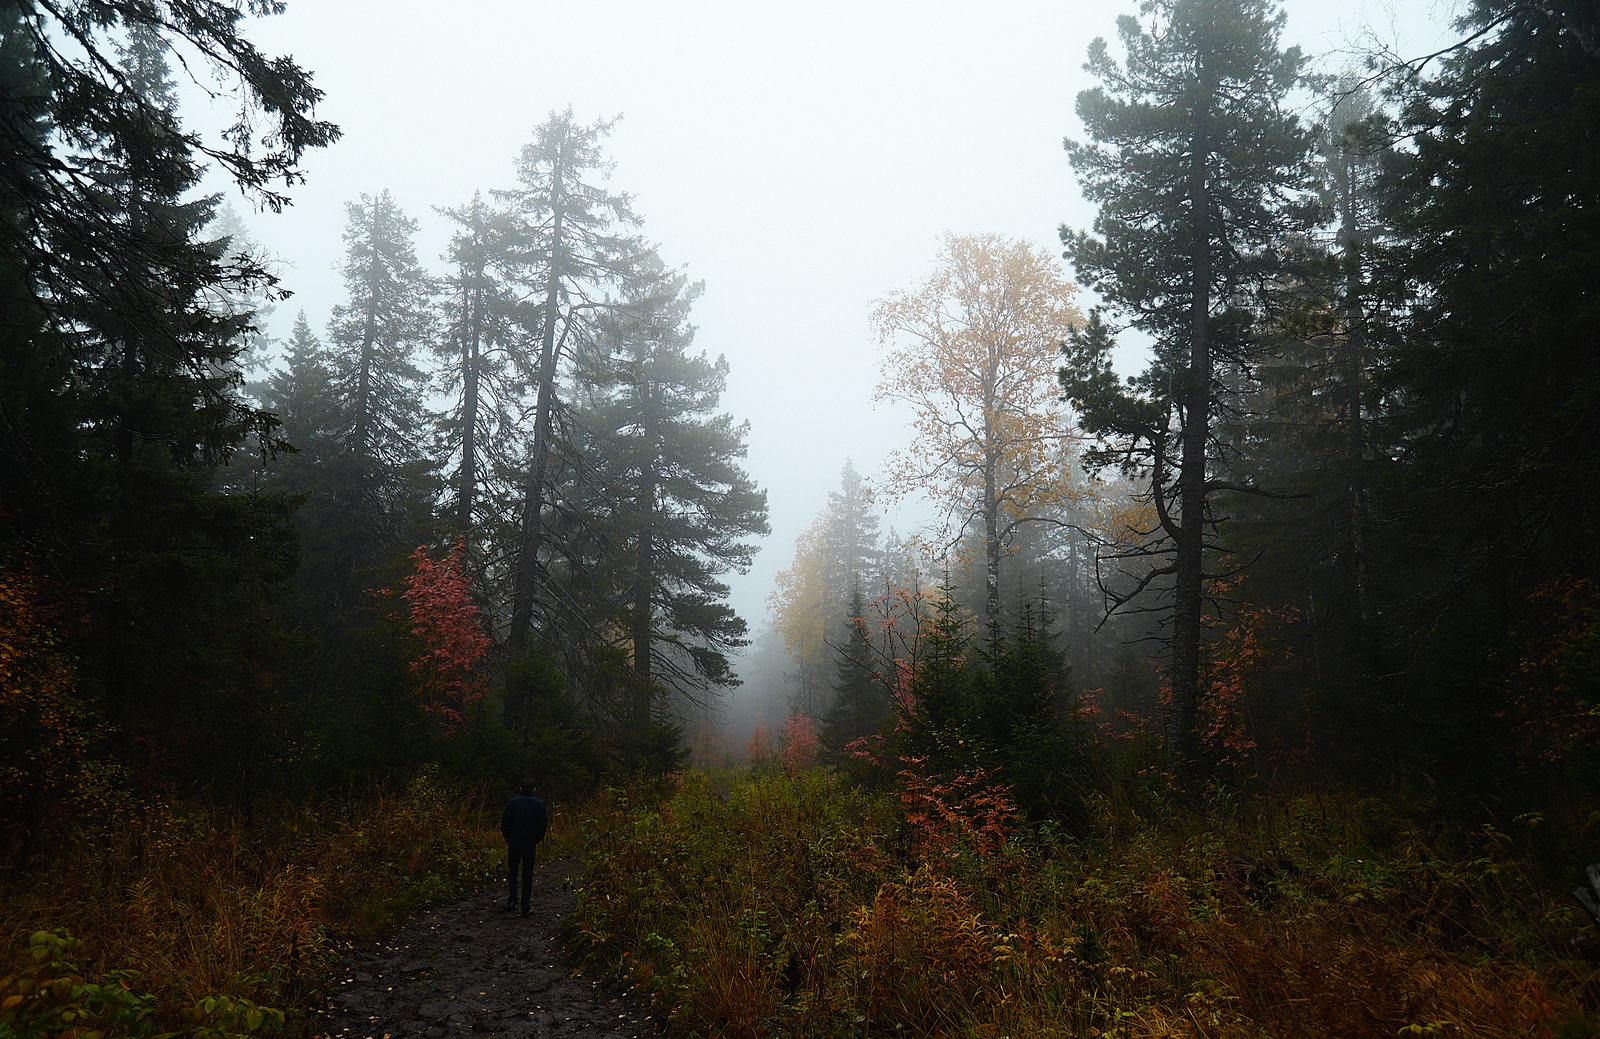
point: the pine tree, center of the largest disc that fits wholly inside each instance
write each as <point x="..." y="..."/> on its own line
<point x="833" y="559"/>
<point x="123" y="324"/>
<point x="1202" y="178"/>
<point x="301" y="395"/>
<point x="849" y="540"/>
<point x="71" y="125"/>
<point x="860" y="700"/>
<point x="373" y="339"/>
<point x="319" y="472"/>
<point x="484" y="350"/>
<point x="1487" y="376"/>
<point x="1486" y="382"/>
<point x="676" y="503"/>
<point x="576" y="249"/>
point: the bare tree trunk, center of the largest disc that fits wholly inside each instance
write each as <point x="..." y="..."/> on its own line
<point x="533" y="490"/>
<point x="470" y="347"/>
<point x="1188" y="577"/>
<point x="1355" y="335"/>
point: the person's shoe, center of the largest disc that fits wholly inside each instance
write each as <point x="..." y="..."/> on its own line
<point x="525" y="913"/>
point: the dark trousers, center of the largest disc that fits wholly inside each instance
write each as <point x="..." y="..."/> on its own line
<point x="519" y="855"/>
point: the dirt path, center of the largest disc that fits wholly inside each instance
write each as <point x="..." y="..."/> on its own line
<point x="472" y="968"/>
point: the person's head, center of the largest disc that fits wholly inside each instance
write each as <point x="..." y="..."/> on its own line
<point x="527" y="787"/>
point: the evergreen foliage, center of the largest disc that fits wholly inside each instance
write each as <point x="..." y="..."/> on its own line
<point x="839" y="554"/>
<point x="373" y="339"/>
<point x="860" y="706"/>
<point x="121" y="377"/>
<point x="994" y="704"/>
<point x="1202" y="176"/>
<point x="674" y="501"/>
<point x="576" y="247"/>
<point x="1485" y="390"/>
<point x="484" y="353"/>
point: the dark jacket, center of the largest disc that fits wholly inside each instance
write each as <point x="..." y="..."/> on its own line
<point x="523" y="821"/>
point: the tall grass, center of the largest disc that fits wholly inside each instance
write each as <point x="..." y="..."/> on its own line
<point x="798" y="907"/>
<point x="188" y="901"/>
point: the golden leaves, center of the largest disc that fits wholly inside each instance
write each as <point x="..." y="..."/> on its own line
<point x="973" y="352"/>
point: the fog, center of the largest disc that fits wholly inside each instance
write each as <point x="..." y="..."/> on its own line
<point x="801" y="159"/>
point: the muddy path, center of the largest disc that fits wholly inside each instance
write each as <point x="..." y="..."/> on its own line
<point x="472" y="968"/>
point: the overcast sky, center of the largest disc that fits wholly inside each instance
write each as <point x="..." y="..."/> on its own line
<point x="801" y="158"/>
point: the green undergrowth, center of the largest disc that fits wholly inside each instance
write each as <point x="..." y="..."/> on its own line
<point x="781" y="906"/>
<point x="185" y="917"/>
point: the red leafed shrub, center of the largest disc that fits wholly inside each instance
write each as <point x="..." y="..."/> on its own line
<point x="451" y="641"/>
<point x="963" y="812"/>
<point x="799" y="743"/>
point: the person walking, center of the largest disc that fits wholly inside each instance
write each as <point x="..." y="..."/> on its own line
<point x="522" y="824"/>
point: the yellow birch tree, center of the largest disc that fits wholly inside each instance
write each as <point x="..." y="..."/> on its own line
<point x="974" y="350"/>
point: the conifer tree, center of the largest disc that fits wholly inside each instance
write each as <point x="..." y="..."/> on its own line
<point x="577" y="248"/>
<point x="674" y="500"/>
<point x="860" y="703"/>
<point x="373" y="338"/>
<point x="320" y="472"/>
<point x="1487" y="375"/>
<point x="300" y="394"/>
<point x="1202" y="177"/>
<point x="1485" y="380"/>
<point x="833" y="559"/>
<point x="120" y="383"/>
<point x="484" y="351"/>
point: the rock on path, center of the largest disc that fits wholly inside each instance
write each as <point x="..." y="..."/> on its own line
<point x="473" y="969"/>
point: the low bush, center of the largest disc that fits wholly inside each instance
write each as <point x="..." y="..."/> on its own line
<point x="802" y="907"/>
<point x="187" y="904"/>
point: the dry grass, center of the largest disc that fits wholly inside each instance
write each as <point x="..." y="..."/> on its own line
<point x="800" y="908"/>
<point x="191" y="901"/>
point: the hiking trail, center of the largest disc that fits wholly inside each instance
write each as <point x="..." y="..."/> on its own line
<point x="471" y="967"/>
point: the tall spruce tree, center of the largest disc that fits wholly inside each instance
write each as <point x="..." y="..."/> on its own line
<point x="484" y="339"/>
<point x="119" y="384"/>
<point x="1202" y="177"/>
<point x="578" y="247"/>
<point x="860" y="702"/>
<point x="320" y="473"/>
<point x="838" y="555"/>
<point x="1488" y="377"/>
<point x="373" y="339"/>
<point x="300" y="394"/>
<point x="1487" y="381"/>
<point x="675" y="502"/>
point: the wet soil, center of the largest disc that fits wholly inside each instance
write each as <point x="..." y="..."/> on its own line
<point x="474" y="968"/>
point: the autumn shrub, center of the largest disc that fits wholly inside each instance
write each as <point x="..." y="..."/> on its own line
<point x="48" y="768"/>
<point x="798" y="906"/>
<point x="189" y="902"/>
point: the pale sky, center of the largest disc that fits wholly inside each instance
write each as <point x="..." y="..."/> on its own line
<point x="801" y="158"/>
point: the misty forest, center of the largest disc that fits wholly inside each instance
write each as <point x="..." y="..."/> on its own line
<point x="1215" y="653"/>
